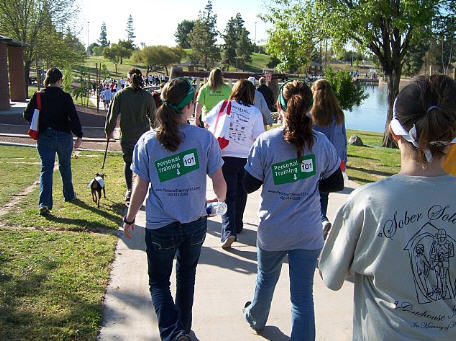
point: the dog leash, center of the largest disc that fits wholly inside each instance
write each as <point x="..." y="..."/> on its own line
<point x="106" y="152"/>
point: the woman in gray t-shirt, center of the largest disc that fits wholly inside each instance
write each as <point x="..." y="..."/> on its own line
<point x="174" y="159"/>
<point x="290" y="162"/>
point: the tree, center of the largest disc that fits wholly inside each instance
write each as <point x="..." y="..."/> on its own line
<point x="444" y="32"/>
<point x="386" y="28"/>
<point x="230" y="45"/>
<point x="159" y="56"/>
<point x="347" y="91"/>
<point x="245" y="46"/>
<point x="130" y="30"/>
<point x="112" y="53"/>
<point x="203" y="37"/>
<point x="29" y="20"/>
<point x="181" y="35"/>
<point x="103" y="38"/>
<point x="125" y="49"/>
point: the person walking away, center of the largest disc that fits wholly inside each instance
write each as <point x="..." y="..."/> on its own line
<point x="261" y="104"/>
<point x="211" y="93"/>
<point x="397" y="236"/>
<point x="57" y="121"/>
<point x="291" y="163"/>
<point x="267" y="94"/>
<point x="136" y="108"/>
<point x="174" y="159"/>
<point x="245" y="125"/>
<point x="328" y="118"/>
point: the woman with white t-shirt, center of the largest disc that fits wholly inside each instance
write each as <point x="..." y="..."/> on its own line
<point x="174" y="159"/>
<point x="244" y="126"/>
<point x="291" y="163"/>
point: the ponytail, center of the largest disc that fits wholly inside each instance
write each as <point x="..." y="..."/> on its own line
<point x="298" y="125"/>
<point x="175" y="95"/>
<point x="53" y="75"/>
<point x="135" y="76"/>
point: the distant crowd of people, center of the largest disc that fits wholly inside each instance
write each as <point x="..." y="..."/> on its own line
<point x="395" y="236"/>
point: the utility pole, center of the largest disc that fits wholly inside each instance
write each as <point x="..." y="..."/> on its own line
<point x="255" y="33"/>
<point x="88" y="26"/>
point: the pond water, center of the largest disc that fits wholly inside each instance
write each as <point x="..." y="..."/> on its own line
<point x="371" y="114"/>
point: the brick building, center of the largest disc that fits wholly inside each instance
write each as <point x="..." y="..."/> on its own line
<point x="12" y="77"/>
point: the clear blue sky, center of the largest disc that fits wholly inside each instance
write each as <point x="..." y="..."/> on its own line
<point x="155" y="22"/>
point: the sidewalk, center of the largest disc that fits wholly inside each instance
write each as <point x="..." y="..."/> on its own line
<point x="225" y="280"/>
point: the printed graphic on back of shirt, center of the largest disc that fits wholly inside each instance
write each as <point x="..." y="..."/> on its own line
<point x="176" y="165"/>
<point x="292" y="170"/>
<point x="430" y="250"/>
<point x="238" y="124"/>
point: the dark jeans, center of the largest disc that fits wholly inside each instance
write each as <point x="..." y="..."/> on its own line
<point x="49" y="143"/>
<point x="324" y="204"/>
<point x="184" y="242"/>
<point x="236" y="196"/>
<point x="127" y="154"/>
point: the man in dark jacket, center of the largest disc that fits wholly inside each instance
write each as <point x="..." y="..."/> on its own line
<point x="267" y="94"/>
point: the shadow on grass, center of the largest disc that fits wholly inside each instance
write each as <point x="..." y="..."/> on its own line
<point x="360" y="157"/>
<point x="116" y="207"/>
<point x="371" y="171"/>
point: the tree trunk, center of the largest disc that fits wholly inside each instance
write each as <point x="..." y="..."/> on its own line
<point x="27" y="76"/>
<point x="393" y="78"/>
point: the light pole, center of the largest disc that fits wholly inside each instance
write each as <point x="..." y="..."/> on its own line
<point x="255" y="33"/>
<point x="88" y="26"/>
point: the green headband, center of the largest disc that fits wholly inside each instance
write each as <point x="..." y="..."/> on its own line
<point x="185" y="101"/>
<point x="283" y="103"/>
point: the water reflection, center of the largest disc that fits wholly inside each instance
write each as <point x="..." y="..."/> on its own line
<point x="371" y="114"/>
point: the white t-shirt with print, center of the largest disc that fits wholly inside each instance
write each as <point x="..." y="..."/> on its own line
<point x="398" y="237"/>
<point x="245" y="125"/>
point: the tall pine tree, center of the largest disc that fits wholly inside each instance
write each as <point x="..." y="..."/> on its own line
<point x="130" y="30"/>
<point x="244" y="48"/>
<point x="203" y="37"/>
<point x="230" y="46"/>
<point x="103" y="39"/>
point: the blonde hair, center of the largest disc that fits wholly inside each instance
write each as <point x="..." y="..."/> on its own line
<point x="215" y="79"/>
<point x="325" y="104"/>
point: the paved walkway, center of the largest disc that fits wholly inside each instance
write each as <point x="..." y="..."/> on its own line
<point x="225" y="281"/>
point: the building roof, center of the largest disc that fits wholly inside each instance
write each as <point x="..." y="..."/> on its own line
<point x="12" y="42"/>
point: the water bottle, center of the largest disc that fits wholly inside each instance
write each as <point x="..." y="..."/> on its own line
<point x="216" y="208"/>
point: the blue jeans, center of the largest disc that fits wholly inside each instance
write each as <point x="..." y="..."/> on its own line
<point x="183" y="241"/>
<point x="51" y="142"/>
<point x="302" y="265"/>
<point x="236" y="196"/>
<point x="324" y="204"/>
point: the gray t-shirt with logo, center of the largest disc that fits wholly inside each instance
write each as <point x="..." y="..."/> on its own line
<point x="178" y="179"/>
<point x="397" y="237"/>
<point x="290" y="201"/>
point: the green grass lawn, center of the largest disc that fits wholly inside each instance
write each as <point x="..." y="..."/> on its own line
<point x="52" y="284"/>
<point x="81" y="215"/>
<point x="19" y="168"/>
<point x="54" y="270"/>
<point x="371" y="162"/>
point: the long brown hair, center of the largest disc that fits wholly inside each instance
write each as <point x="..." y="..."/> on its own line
<point x="215" y="79"/>
<point x="168" y="118"/>
<point x="325" y="104"/>
<point x="429" y="102"/>
<point x="298" y="125"/>
<point x="243" y="92"/>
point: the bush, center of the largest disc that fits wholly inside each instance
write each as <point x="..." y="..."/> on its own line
<point x="348" y="91"/>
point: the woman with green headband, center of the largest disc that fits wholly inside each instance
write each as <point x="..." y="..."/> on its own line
<point x="291" y="163"/>
<point x="174" y="160"/>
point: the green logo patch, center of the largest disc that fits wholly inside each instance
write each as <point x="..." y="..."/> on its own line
<point x="176" y="165"/>
<point x="291" y="170"/>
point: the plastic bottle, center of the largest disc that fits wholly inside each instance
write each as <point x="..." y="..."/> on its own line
<point x="216" y="208"/>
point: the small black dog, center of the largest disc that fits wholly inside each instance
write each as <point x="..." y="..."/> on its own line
<point x="96" y="186"/>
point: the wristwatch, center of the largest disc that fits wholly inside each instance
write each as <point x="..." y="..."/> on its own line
<point x="128" y="222"/>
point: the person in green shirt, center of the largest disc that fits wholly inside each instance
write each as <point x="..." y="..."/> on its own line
<point x="136" y="108"/>
<point x="210" y="94"/>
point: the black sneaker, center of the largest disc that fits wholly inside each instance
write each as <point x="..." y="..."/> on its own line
<point x="326" y="228"/>
<point x="128" y="195"/>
